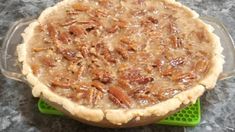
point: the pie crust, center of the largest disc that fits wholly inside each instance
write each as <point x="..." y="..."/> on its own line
<point x="120" y="116"/>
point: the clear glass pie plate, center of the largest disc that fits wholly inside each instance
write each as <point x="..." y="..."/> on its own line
<point x="11" y="68"/>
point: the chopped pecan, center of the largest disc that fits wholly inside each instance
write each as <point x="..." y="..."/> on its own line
<point x="104" y="2"/>
<point x="121" y="23"/>
<point x="52" y="31"/>
<point x="140" y="1"/>
<point x="124" y="84"/>
<point x="98" y="97"/>
<point x="48" y="61"/>
<point x="76" y="30"/>
<point x="177" y="61"/>
<point x="84" y="50"/>
<point x="64" y="37"/>
<point x="153" y="20"/>
<point x="134" y="76"/>
<point x="62" y="79"/>
<point x="167" y="72"/>
<point x="175" y="41"/>
<point x="201" y="35"/>
<point x="69" y="22"/>
<point x="77" y="69"/>
<point x="77" y="96"/>
<point x="116" y="101"/>
<point x="144" y="80"/>
<point x="141" y="90"/>
<point x="101" y="75"/>
<point x="202" y="66"/>
<point x="121" y="98"/>
<point x="164" y="94"/>
<point x="69" y="54"/>
<point x="39" y="49"/>
<point x="122" y="52"/>
<point x="59" y="83"/>
<point x="91" y="96"/>
<point x="81" y="87"/>
<point x="35" y="68"/>
<point x="112" y="29"/>
<point x="126" y="40"/>
<point x="98" y="85"/>
<point x="172" y="28"/>
<point x="84" y="22"/>
<point x="89" y="29"/>
<point x="130" y="44"/>
<point x="148" y="69"/>
<point x="167" y="54"/>
<point x="81" y="70"/>
<point x="131" y="74"/>
<point x="184" y="77"/>
<point x="145" y="99"/>
<point x="158" y="63"/>
<point x="80" y="7"/>
<point x="108" y="55"/>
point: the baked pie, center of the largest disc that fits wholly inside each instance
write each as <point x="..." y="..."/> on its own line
<point x="115" y="62"/>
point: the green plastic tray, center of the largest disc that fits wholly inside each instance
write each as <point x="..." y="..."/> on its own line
<point x="190" y="116"/>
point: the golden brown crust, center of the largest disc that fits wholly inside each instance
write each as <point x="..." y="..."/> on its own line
<point x="119" y="116"/>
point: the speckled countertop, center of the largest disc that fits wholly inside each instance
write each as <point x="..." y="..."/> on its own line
<point x="18" y="109"/>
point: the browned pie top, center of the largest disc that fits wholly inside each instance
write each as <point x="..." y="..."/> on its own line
<point x="120" y="53"/>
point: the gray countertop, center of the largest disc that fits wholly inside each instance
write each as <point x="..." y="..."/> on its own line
<point x="18" y="109"/>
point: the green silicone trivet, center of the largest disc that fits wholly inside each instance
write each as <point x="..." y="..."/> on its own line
<point x="190" y="116"/>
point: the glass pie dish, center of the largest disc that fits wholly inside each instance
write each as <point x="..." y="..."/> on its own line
<point x="11" y="68"/>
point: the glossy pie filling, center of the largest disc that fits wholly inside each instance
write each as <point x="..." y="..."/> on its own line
<point x="120" y="53"/>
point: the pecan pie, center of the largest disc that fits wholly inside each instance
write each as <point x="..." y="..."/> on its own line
<point x="116" y="61"/>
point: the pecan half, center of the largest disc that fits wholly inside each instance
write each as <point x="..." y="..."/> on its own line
<point x="121" y="98"/>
